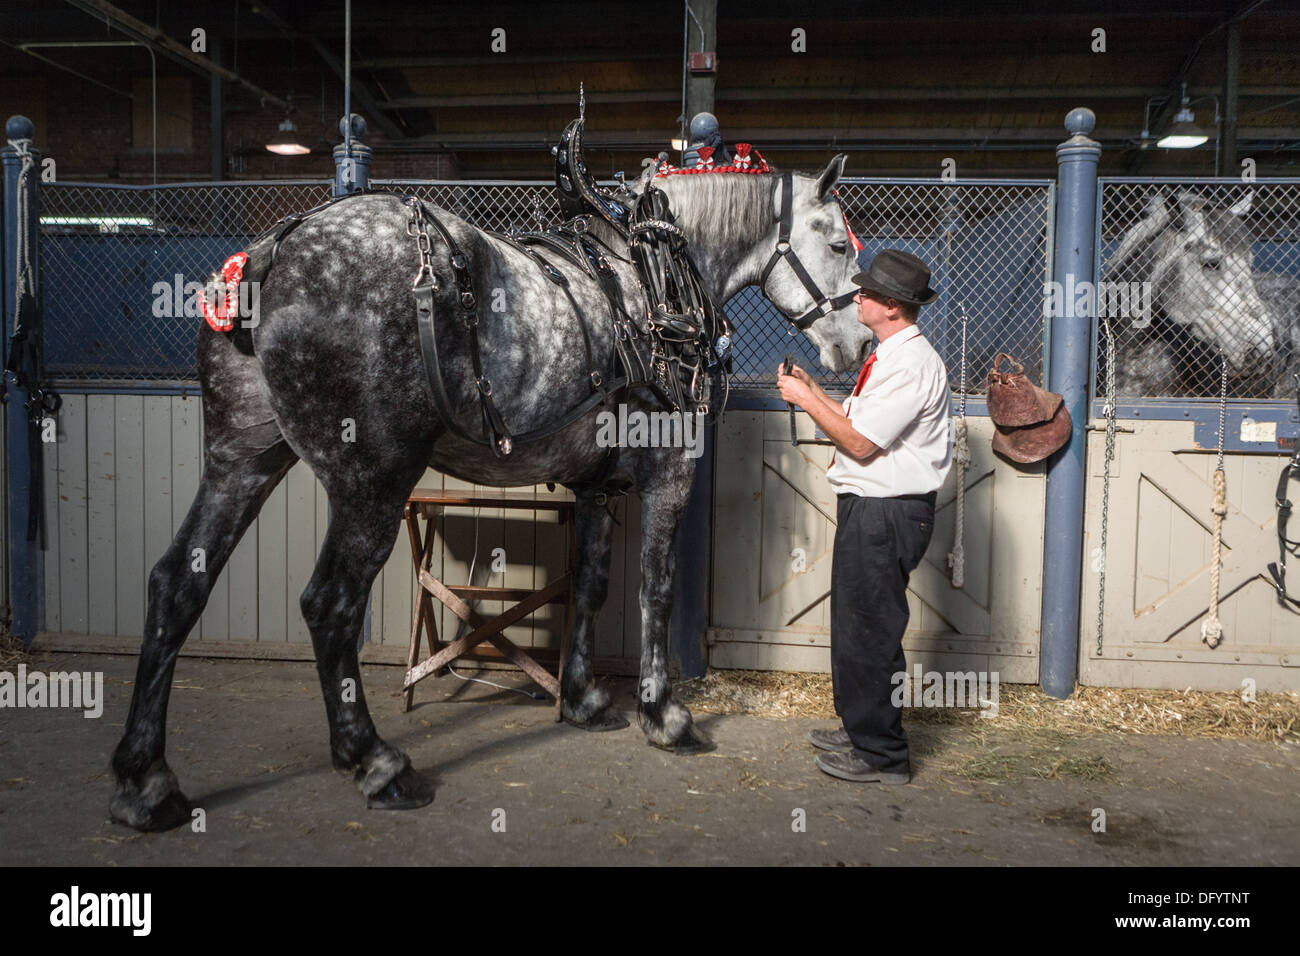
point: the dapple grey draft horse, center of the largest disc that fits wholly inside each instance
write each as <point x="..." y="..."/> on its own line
<point x="1207" y="302"/>
<point x="336" y="347"/>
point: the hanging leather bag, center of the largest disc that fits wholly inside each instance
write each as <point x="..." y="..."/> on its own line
<point x="1031" y="422"/>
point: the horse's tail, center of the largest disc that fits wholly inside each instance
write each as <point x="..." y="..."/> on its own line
<point x="234" y="291"/>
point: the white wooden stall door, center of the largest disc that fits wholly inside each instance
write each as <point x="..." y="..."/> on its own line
<point x="774" y="530"/>
<point x="123" y="473"/>
<point x="1158" y="563"/>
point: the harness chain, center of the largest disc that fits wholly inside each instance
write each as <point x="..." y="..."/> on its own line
<point x="1109" y="412"/>
<point x="1212" y="627"/>
<point x="961" y="457"/>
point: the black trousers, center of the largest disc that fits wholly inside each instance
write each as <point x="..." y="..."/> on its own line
<point x="878" y="543"/>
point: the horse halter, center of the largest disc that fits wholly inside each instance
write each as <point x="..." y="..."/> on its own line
<point x="824" y="304"/>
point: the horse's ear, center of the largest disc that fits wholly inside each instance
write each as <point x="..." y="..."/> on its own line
<point x="1243" y="205"/>
<point x="830" y="176"/>
<point x="1154" y="221"/>
<point x="1190" y="203"/>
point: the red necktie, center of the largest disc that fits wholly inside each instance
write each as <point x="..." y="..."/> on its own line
<point x="865" y="373"/>
<point x="862" y="380"/>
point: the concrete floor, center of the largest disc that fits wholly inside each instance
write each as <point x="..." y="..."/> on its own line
<point x="248" y="742"/>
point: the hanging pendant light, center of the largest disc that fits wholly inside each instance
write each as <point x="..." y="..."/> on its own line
<point x="286" y="141"/>
<point x="1184" y="134"/>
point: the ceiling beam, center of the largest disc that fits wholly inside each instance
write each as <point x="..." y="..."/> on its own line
<point x="139" y="30"/>
<point x="909" y="94"/>
<point x="904" y="137"/>
<point x="365" y="99"/>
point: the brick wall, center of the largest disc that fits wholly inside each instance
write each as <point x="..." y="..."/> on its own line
<point x="88" y="132"/>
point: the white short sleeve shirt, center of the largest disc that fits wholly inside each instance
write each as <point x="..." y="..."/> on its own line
<point x="906" y="410"/>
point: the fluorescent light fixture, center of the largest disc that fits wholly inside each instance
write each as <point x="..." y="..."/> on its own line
<point x="287" y="144"/>
<point x="104" y="223"/>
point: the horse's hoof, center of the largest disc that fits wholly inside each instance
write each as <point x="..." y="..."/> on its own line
<point x="600" y="722"/>
<point x="148" y="810"/>
<point x="407" y="791"/>
<point x="690" y="743"/>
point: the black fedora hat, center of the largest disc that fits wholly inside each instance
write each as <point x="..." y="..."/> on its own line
<point x="899" y="275"/>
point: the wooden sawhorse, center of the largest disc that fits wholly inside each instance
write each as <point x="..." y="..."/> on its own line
<point x="427" y="504"/>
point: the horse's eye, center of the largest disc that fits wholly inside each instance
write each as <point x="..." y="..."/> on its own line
<point x="1211" y="264"/>
<point x="839" y="248"/>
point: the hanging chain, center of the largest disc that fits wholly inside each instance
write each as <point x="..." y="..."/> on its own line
<point x="961" y="458"/>
<point x="961" y="408"/>
<point x="1223" y="405"/>
<point x="417" y="230"/>
<point x="1109" y="412"/>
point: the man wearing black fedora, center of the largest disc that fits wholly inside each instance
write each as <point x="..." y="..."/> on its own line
<point x="893" y="449"/>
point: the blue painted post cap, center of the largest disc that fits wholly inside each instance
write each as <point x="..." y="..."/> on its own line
<point x="19" y="127"/>
<point x="358" y="126"/>
<point x="1080" y="120"/>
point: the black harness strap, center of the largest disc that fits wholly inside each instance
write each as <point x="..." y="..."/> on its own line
<point x="824" y="305"/>
<point x="597" y="378"/>
<point x="432" y="362"/>
<point x="497" y="434"/>
<point x="494" y="426"/>
<point x="26" y="364"/>
<point x="1285" y="546"/>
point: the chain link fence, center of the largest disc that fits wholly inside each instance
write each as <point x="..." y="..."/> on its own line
<point x="496" y="206"/>
<point x="1196" y="276"/>
<point x="116" y="262"/>
<point x="988" y="247"/>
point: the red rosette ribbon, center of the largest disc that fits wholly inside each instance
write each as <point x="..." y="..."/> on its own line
<point x="222" y="318"/>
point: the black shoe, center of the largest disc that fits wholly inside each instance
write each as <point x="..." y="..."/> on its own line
<point x="836" y="740"/>
<point x="850" y="766"/>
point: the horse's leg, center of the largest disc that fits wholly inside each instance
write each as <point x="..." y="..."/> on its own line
<point x="664" y="479"/>
<point x="230" y="494"/>
<point x="583" y="704"/>
<point x="362" y="530"/>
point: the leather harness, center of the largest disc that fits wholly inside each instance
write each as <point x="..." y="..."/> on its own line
<point x="1285" y="545"/>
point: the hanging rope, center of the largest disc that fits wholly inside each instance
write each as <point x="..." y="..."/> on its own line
<point x="25" y="358"/>
<point x="1212" y="627"/>
<point x="961" y="457"/>
<point x="24" y="255"/>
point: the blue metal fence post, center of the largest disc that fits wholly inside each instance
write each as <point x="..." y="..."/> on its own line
<point x="1076" y="203"/>
<point x="351" y="174"/>
<point x="22" y="166"/>
<point x="690" y="616"/>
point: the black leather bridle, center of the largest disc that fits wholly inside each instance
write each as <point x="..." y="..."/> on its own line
<point x="824" y="305"/>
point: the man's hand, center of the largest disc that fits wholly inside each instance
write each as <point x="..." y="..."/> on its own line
<point x="796" y="387"/>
